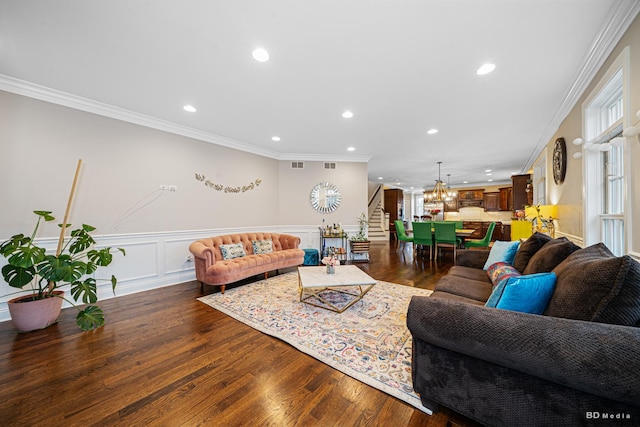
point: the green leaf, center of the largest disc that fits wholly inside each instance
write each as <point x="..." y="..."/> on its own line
<point x="85" y="290"/>
<point x="102" y="257"/>
<point x="46" y="215"/>
<point x="62" y="268"/>
<point x="114" y="281"/>
<point x="91" y="267"/>
<point x="18" y="277"/>
<point x="82" y="241"/>
<point x="26" y="256"/>
<point x="7" y="247"/>
<point x="90" y="318"/>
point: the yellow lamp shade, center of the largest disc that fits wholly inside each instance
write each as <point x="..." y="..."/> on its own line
<point x="546" y="211"/>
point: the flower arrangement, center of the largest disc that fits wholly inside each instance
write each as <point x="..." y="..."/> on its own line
<point x="331" y="261"/>
<point x="520" y="215"/>
<point x="435" y="211"/>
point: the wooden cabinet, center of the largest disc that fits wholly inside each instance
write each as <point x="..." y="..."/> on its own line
<point x="467" y="198"/>
<point x="393" y="202"/>
<point x="521" y="197"/>
<point x="475" y="225"/>
<point x="506" y="232"/>
<point x="481" y="228"/>
<point x="451" y="206"/>
<point x="492" y="201"/>
<point x="506" y="199"/>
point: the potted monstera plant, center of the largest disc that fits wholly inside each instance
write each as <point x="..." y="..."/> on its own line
<point x="30" y="269"/>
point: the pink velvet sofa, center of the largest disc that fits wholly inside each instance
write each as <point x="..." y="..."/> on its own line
<point x="221" y="260"/>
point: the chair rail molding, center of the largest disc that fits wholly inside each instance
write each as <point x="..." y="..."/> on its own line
<point x="159" y="259"/>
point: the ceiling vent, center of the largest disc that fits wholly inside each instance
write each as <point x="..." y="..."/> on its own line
<point x="297" y="165"/>
<point x="330" y="165"/>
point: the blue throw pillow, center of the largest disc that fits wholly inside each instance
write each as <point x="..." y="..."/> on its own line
<point x="527" y="294"/>
<point x="502" y="252"/>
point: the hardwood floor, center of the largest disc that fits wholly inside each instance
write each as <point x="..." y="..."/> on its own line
<point x="166" y="359"/>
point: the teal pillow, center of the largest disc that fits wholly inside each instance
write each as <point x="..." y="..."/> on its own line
<point x="527" y="294"/>
<point x="231" y="251"/>
<point x="502" y="252"/>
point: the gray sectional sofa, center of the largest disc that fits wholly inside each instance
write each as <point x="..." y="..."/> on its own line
<point x="576" y="364"/>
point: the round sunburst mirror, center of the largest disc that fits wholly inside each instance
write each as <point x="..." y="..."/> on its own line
<point x="325" y="197"/>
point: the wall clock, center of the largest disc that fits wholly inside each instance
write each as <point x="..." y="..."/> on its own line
<point x="559" y="161"/>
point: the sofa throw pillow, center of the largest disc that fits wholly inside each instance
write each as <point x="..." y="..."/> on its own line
<point x="501" y="251"/>
<point x="550" y="255"/>
<point x="262" y="246"/>
<point x="595" y="285"/>
<point x="526" y="294"/>
<point x="500" y="271"/>
<point x="528" y="249"/>
<point x="233" y="250"/>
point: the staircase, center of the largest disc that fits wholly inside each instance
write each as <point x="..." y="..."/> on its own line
<point x="378" y="220"/>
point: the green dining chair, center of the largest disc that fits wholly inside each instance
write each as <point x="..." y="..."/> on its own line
<point x="445" y="237"/>
<point x="459" y="224"/>
<point x="422" y="235"/>
<point x="401" y="234"/>
<point x="484" y="242"/>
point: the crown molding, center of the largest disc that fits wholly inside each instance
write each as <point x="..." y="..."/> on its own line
<point x="621" y="15"/>
<point x="43" y="93"/>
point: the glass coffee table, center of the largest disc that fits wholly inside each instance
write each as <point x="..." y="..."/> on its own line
<point x="336" y="292"/>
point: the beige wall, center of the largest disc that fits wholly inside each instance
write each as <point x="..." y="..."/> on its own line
<point x="296" y="185"/>
<point x="569" y="195"/>
<point x="124" y="164"/>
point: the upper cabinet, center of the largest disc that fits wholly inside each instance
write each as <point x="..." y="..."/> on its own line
<point x="467" y="198"/>
<point x="506" y="199"/>
<point x="522" y="195"/>
<point x="492" y="201"/>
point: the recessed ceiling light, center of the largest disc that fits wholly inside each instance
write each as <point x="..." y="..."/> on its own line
<point x="432" y="131"/>
<point x="489" y="174"/>
<point x="189" y="108"/>
<point x="275" y="138"/>
<point x="351" y="149"/>
<point x="489" y="180"/>
<point x="487" y="170"/>
<point x="485" y="69"/>
<point x="260" y="55"/>
<point x="347" y="114"/>
<point x="465" y="182"/>
<point x="379" y="177"/>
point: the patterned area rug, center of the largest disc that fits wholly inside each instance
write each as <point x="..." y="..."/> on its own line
<point x="369" y="341"/>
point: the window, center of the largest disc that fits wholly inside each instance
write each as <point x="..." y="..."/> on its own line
<point x="539" y="181"/>
<point x="604" y="172"/>
<point x="418" y="204"/>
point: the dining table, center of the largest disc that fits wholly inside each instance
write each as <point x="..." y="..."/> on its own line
<point x="463" y="234"/>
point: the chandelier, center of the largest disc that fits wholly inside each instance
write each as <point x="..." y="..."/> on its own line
<point x="440" y="192"/>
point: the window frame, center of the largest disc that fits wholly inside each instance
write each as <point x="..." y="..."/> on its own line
<point x="595" y="218"/>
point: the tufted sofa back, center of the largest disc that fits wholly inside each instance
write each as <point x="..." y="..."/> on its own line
<point x="280" y="241"/>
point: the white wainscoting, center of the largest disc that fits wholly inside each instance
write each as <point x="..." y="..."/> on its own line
<point x="155" y="260"/>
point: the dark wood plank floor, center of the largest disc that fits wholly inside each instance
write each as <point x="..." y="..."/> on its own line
<point x="166" y="359"/>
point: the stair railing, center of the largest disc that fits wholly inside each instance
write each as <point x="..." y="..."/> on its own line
<point x="375" y="204"/>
